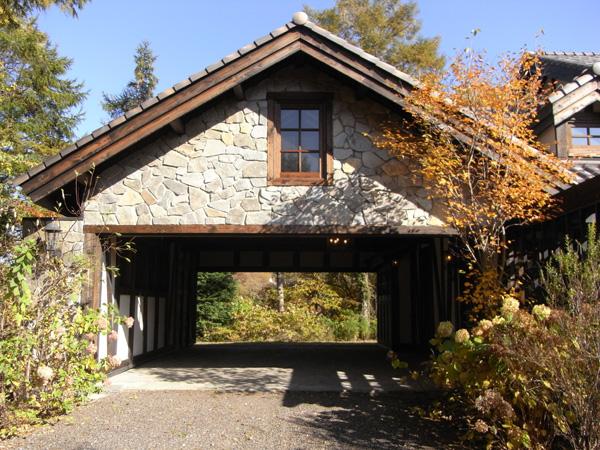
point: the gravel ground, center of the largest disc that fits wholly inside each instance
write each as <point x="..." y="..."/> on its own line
<point x="229" y="420"/>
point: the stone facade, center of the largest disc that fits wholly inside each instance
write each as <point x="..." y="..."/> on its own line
<point x="216" y="173"/>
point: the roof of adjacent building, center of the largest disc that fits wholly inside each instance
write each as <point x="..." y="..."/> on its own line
<point x="565" y="66"/>
<point x="576" y="76"/>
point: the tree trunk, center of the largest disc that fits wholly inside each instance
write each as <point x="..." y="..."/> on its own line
<point x="280" y="292"/>
<point x="365" y="295"/>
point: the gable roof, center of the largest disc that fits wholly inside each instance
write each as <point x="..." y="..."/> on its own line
<point x="300" y="35"/>
<point x="578" y="77"/>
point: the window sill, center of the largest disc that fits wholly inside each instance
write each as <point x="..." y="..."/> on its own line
<point x="298" y="182"/>
<point x="582" y="152"/>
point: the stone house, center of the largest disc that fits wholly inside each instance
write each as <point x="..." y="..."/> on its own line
<point x="262" y="161"/>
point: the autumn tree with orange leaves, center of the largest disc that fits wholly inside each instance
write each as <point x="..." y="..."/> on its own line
<point x="470" y="139"/>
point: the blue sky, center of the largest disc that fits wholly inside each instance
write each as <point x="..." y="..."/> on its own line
<point x="188" y="35"/>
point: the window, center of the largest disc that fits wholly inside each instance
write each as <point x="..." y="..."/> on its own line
<point x="585" y="136"/>
<point x="299" y="138"/>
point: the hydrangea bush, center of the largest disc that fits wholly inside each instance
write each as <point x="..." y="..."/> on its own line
<point x="525" y="379"/>
<point x="531" y="378"/>
<point x="48" y="339"/>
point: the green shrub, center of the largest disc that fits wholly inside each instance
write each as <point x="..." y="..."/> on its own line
<point x="531" y="379"/>
<point x="47" y="338"/>
<point x="348" y="327"/>
<point x="216" y="293"/>
<point x="255" y="322"/>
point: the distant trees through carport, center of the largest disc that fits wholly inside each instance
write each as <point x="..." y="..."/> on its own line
<point x="286" y="307"/>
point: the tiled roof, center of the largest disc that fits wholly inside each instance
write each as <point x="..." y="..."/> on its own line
<point x="565" y="66"/>
<point x="585" y="169"/>
<point x="401" y="76"/>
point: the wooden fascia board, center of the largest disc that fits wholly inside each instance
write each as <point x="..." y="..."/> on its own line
<point x="351" y="61"/>
<point x="574" y="96"/>
<point x="547" y="115"/>
<point x="574" y="102"/>
<point x="309" y="230"/>
<point x="576" y="107"/>
<point x="206" y="89"/>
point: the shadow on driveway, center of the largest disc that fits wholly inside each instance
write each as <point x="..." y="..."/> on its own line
<point x="264" y="367"/>
<point x="257" y="396"/>
<point x="385" y="421"/>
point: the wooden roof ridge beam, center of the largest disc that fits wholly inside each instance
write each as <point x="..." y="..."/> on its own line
<point x="270" y="229"/>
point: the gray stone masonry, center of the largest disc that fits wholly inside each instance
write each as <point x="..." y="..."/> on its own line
<point x="216" y="173"/>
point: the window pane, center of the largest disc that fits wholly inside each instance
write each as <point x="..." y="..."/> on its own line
<point x="310" y="162"/>
<point x="289" y="140"/>
<point x="579" y="141"/>
<point x="289" y="118"/>
<point x="289" y="162"/>
<point x="595" y="131"/>
<point x="595" y="141"/>
<point x="310" y="140"/>
<point x="310" y="118"/>
<point x="578" y="131"/>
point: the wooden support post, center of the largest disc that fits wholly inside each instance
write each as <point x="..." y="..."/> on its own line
<point x="562" y="140"/>
<point x="92" y="247"/>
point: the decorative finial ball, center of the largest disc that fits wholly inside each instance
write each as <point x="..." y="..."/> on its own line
<point x="300" y="18"/>
<point x="596" y="68"/>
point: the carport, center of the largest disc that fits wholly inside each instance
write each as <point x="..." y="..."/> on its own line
<point x="416" y="280"/>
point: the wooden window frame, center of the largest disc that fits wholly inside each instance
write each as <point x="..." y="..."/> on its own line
<point x="301" y="100"/>
<point x="583" y="150"/>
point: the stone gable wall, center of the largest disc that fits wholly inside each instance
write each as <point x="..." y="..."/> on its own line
<point x="216" y="173"/>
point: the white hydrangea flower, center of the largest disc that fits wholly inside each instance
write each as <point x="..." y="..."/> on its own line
<point x="445" y="329"/>
<point x="541" y="312"/>
<point x="462" y="336"/>
<point x="510" y="306"/>
<point x="45" y="373"/>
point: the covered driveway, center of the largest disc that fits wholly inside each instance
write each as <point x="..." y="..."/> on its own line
<point x="304" y="367"/>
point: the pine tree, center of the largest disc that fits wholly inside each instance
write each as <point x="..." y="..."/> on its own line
<point x="388" y="29"/>
<point x="38" y="103"/>
<point x="37" y="115"/>
<point x="140" y="89"/>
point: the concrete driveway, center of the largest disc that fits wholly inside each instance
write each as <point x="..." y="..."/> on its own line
<point x="256" y="397"/>
<point x="263" y="367"/>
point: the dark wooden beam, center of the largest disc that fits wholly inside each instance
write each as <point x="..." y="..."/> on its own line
<point x="267" y="229"/>
<point x="178" y="126"/>
<point x="238" y="91"/>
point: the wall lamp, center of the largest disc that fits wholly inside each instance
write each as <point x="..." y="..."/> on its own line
<point x="52" y="231"/>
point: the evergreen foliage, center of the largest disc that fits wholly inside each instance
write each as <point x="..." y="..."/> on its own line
<point x="140" y="89"/>
<point x="37" y="102"/>
<point x="388" y="29"/>
<point x="216" y="293"/>
<point x="11" y="11"/>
